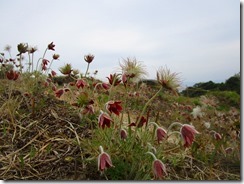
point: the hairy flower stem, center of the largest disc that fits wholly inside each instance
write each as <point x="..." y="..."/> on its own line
<point x="32" y="64"/>
<point x="41" y="58"/>
<point x="87" y="69"/>
<point x="29" y="63"/>
<point x="49" y="66"/>
<point x="173" y="124"/>
<point x="148" y="102"/>
<point x="154" y="157"/>
<point x="20" y="64"/>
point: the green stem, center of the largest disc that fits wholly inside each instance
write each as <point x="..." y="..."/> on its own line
<point x="154" y="157"/>
<point x="41" y="58"/>
<point x="148" y="102"/>
<point x="20" y="65"/>
<point x="174" y="132"/>
<point x="32" y="62"/>
<point x="49" y="66"/>
<point x="87" y="69"/>
<point x="173" y="124"/>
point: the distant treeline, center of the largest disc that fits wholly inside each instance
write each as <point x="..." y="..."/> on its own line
<point x="201" y="88"/>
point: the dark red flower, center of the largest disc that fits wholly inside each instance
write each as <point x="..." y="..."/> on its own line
<point x="104" y="161"/>
<point x="80" y="83"/>
<point x="12" y="75"/>
<point x="161" y="133"/>
<point x="53" y="73"/>
<point x="104" y="120"/>
<point x="51" y="46"/>
<point x="114" y="79"/>
<point x="89" y="58"/>
<point x="188" y="134"/>
<point x="123" y="134"/>
<point x="114" y="107"/>
<point x="105" y="86"/>
<point x="89" y="109"/>
<point x="159" y="169"/>
<point x="59" y="92"/>
<point x="140" y="124"/>
<point x="45" y="62"/>
<point x="217" y="136"/>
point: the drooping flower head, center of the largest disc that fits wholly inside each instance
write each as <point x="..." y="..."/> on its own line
<point x="188" y="134"/>
<point x="104" y="120"/>
<point x="216" y="135"/>
<point x="161" y="133"/>
<point x="114" y="107"/>
<point x="158" y="167"/>
<point x="123" y="134"/>
<point x="59" y="92"/>
<point x="104" y="161"/>
<point x="168" y="80"/>
<point x="12" y="75"/>
<point x="80" y="83"/>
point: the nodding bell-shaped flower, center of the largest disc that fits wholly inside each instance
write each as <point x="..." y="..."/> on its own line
<point x="216" y="135"/>
<point x="80" y="83"/>
<point x="160" y="132"/>
<point x="104" y="161"/>
<point x="59" y="92"/>
<point x="105" y="86"/>
<point x="114" y="107"/>
<point x="158" y="167"/>
<point x="12" y="75"/>
<point x="104" y="120"/>
<point x="188" y="134"/>
<point x="123" y="134"/>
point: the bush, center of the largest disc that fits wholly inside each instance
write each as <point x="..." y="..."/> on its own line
<point x="227" y="98"/>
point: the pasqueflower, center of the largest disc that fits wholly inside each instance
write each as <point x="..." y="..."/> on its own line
<point x="188" y="134"/>
<point x="104" y="161"/>
<point x="59" y="92"/>
<point x="51" y="46"/>
<point x="80" y="83"/>
<point x="123" y="134"/>
<point x="114" y="79"/>
<point x="104" y="120"/>
<point x="89" y="58"/>
<point x="12" y="75"/>
<point x="114" y="107"/>
<point x="168" y="80"/>
<point x="161" y="133"/>
<point x="158" y="167"/>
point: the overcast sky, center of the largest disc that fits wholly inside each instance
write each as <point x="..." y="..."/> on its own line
<point x="198" y="39"/>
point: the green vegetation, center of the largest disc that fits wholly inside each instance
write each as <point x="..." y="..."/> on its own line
<point x="75" y="127"/>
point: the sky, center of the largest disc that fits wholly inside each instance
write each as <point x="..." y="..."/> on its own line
<point x="200" y="40"/>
